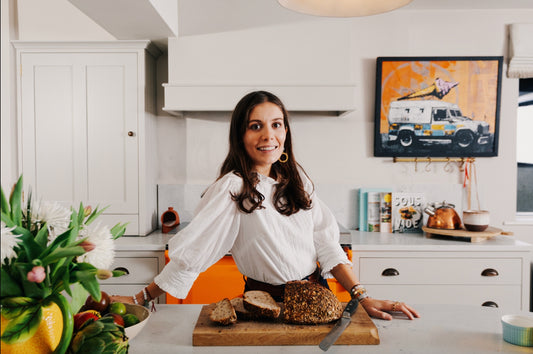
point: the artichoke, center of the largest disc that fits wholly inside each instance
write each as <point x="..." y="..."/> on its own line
<point x="99" y="337"/>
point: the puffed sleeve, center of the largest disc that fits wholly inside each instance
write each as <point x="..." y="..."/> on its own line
<point x="326" y="234"/>
<point x="209" y="236"/>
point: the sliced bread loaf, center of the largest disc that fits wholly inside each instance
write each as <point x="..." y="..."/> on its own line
<point x="261" y="303"/>
<point x="223" y="313"/>
<point x="242" y="313"/>
<point x="310" y="303"/>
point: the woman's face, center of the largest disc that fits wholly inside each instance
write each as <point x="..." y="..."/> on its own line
<point x="265" y="136"/>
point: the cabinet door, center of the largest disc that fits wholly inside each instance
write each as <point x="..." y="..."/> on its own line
<point x="76" y="112"/>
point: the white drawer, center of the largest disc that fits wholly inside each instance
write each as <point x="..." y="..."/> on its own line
<point x="142" y="270"/>
<point x="440" y="271"/>
<point x="507" y="297"/>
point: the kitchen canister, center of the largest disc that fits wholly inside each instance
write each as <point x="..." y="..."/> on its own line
<point x="518" y="330"/>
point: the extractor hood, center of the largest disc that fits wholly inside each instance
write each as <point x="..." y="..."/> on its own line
<point x="181" y="98"/>
<point x="308" y="65"/>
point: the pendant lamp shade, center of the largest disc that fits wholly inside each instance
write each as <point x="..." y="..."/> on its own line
<point x="343" y="8"/>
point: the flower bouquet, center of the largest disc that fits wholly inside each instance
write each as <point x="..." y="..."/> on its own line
<point x="48" y="252"/>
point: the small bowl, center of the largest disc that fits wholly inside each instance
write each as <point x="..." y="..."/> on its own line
<point x="142" y="313"/>
<point x="518" y="330"/>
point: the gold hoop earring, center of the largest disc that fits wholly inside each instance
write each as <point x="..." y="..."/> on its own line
<point x="284" y="157"/>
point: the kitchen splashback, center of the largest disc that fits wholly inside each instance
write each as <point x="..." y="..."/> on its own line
<point x="342" y="199"/>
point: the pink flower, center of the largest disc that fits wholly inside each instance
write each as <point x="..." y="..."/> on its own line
<point x="37" y="274"/>
<point x="87" y="246"/>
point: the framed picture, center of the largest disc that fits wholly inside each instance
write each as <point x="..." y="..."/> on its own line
<point x="437" y="106"/>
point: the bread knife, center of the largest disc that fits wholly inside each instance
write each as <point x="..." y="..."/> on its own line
<point x="341" y="325"/>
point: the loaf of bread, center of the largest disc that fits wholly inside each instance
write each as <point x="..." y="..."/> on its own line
<point x="310" y="303"/>
<point x="223" y="313"/>
<point x="261" y="303"/>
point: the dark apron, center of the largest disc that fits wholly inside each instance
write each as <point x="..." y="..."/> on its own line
<point x="278" y="291"/>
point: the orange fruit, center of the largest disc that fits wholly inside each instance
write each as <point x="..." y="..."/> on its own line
<point x="45" y="339"/>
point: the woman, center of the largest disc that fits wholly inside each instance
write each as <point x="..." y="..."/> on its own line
<point x="264" y="210"/>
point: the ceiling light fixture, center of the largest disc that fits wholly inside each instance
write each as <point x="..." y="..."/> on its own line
<point x="343" y="8"/>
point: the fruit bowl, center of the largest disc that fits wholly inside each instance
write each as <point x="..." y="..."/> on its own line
<point x="142" y="313"/>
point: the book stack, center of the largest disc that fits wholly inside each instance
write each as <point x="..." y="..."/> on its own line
<point x="375" y="209"/>
<point x="382" y="210"/>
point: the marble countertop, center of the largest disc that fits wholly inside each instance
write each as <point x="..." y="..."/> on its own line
<point x="441" y="329"/>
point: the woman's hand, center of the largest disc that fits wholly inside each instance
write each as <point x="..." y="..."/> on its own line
<point x="376" y="308"/>
<point x="123" y="299"/>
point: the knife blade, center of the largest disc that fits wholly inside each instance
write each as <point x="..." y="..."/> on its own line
<point x="340" y="326"/>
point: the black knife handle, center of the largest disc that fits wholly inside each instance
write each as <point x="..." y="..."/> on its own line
<point x="352" y="306"/>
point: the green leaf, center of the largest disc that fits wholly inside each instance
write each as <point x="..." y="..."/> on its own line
<point x="81" y="214"/>
<point x="32" y="248"/>
<point x="9" y="286"/>
<point x="14" y="306"/>
<point x="118" y="230"/>
<point x="4" y="206"/>
<point x="62" y="252"/>
<point x="118" y="273"/>
<point x="15" y="201"/>
<point x="95" y="214"/>
<point x="23" y="326"/>
<point x="78" y="297"/>
<point x="42" y="236"/>
<point x="88" y="280"/>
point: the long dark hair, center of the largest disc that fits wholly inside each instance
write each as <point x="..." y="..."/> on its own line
<point x="290" y="195"/>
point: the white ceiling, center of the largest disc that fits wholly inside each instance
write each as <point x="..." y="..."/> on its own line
<point x="208" y="16"/>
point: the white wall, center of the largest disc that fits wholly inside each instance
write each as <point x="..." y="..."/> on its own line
<point x="339" y="150"/>
<point x="333" y="150"/>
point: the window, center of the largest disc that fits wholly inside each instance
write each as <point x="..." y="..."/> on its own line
<point x="524" y="147"/>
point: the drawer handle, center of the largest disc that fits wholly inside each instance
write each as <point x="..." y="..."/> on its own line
<point x="489" y="304"/>
<point x="390" y="272"/>
<point x="122" y="269"/>
<point x="489" y="272"/>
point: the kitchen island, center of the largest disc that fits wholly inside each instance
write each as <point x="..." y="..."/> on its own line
<point x="457" y="329"/>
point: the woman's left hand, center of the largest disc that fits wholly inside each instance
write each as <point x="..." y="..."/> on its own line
<point x="376" y="308"/>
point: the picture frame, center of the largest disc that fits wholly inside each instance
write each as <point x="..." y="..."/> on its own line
<point x="437" y="106"/>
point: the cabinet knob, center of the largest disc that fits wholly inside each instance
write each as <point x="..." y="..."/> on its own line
<point x="122" y="269"/>
<point x="489" y="272"/>
<point x="489" y="304"/>
<point x="130" y="133"/>
<point x="390" y="272"/>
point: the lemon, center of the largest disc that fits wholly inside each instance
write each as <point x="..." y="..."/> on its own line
<point x="45" y="339"/>
<point x="117" y="307"/>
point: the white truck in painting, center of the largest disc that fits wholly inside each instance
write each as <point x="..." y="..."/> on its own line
<point x="412" y="122"/>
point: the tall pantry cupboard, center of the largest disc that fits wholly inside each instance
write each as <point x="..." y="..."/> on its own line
<point x="86" y="126"/>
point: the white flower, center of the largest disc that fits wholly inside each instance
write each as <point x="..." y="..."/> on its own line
<point x="103" y="254"/>
<point x="56" y="216"/>
<point x="9" y="242"/>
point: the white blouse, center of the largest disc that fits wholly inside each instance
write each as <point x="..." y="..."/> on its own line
<point x="266" y="245"/>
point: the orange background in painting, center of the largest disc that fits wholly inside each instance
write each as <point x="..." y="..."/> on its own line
<point x="476" y="93"/>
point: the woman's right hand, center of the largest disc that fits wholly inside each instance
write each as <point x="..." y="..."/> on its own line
<point x="123" y="299"/>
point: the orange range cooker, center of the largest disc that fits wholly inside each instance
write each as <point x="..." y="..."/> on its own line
<point x="223" y="279"/>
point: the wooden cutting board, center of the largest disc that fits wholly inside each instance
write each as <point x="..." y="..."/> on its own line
<point x="474" y="236"/>
<point x="258" y="333"/>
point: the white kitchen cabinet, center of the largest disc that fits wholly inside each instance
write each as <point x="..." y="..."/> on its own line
<point x="86" y="123"/>
<point x="141" y="267"/>
<point x="418" y="270"/>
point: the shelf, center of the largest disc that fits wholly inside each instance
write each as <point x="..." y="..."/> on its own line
<point x="181" y="98"/>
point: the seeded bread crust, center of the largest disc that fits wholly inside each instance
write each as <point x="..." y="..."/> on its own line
<point x="310" y="303"/>
<point x="223" y="313"/>
<point x="261" y="304"/>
